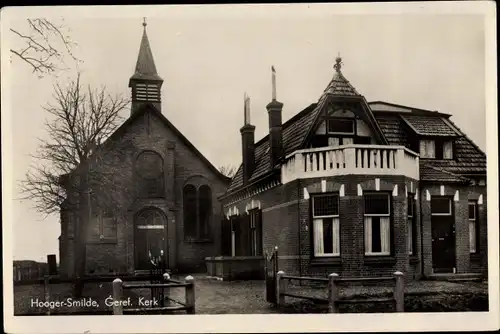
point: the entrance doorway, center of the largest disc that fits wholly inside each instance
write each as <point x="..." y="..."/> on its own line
<point x="443" y="235"/>
<point x="150" y="235"/>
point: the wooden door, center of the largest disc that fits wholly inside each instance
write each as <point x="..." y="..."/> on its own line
<point x="443" y="244"/>
<point x="150" y="239"/>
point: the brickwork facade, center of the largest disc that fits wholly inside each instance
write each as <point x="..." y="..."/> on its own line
<point x="181" y="166"/>
<point x="287" y="223"/>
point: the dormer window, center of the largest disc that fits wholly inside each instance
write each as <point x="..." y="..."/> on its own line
<point x="436" y="149"/>
<point x="343" y="126"/>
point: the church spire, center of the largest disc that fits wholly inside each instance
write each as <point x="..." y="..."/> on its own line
<point x="145" y="82"/>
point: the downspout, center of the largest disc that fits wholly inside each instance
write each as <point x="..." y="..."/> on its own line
<point x="421" y="232"/>
<point x="299" y="231"/>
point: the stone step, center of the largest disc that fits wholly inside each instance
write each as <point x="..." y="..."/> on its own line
<point x="462" y="277"/>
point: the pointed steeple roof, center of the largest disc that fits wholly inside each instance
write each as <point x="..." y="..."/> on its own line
<point x="145" y="68"/>
<point x="339" y="85"/>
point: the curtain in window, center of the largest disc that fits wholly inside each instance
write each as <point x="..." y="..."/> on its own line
<point x="333" y="141"/>
<point x="410" y="236"/>
<point x="448" y="150"/>
<point x="427" y="149"/>
<point x="347" y="141"/>
<point x="368" y="234"/>
<point x="472" y="236"/>
<point x="385" y="235"/>
<point x="336" y="235"/>
<point x="318" y="237"/>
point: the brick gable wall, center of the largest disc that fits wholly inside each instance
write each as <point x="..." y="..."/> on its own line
<point x="148" y="132"/>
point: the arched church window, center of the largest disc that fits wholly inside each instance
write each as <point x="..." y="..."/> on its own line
<point x="190" y="212"/>
<point x="197" y="211"/>
<point x="149" y="167"/>
<point x="204" y="209"/>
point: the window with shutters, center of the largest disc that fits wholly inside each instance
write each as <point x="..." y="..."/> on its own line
<point x="149" y="167"/>
<point x="103" y="227"/>
<point x="377" y="224"/>
<point x="326" y="225"/>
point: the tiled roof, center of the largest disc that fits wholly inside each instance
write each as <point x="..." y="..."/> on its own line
<point x="294" y="131"/>
<point x="340" y="86"/>
<point x="430" y="173"/>
<point x="429" y="125"/>
<point x="391" y="127"/>
<point x="145" y="68"/>
<point x="468" y="159"/>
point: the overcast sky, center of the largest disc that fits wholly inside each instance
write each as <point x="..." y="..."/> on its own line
<point x="209" y="58"/>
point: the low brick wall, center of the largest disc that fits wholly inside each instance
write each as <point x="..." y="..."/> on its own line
<point x="235" y="267"/>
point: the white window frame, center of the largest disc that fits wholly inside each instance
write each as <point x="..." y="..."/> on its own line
<point x="449" y="213"/>
<point x="410" y="222"/>
<point x="328" y="120"/>
<point x="335" y="227"/>
<point x="473" y="236"/>
<point x="368" y="231"/>
<point x="253" y="229"/>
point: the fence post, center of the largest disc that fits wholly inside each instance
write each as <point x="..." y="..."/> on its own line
<point x="281" y="285"/>
<point x="333" y="293"/>
<point x="117" y="296"/>
<point x="399" y="291"/>
<point x="166" y="291"/>
<point x="190" y="297"/>
<point x="46" y="290"/>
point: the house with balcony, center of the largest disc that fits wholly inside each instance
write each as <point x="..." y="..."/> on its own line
<point x="358" y="188"/>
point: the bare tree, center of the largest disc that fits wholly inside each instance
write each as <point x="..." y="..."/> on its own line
<point x="79" y="159"/>
<point x="45" y="46"/>
<point x="228" y="170"/>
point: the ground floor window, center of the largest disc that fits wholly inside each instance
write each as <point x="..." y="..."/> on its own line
<point x="246" y="234"/>
<point x="377" y="224"/>
<point x="473" y="228"/>
<point x="326" y="225"/>
<point x="411" y="225"/>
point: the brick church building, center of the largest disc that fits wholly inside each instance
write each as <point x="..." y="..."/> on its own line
<point x="174" y="211"/>
<point x="358" y="188"/>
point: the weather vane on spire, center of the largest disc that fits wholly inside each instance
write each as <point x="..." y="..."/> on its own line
<point x="144" y="23"/>
<point x="338" y="63"/>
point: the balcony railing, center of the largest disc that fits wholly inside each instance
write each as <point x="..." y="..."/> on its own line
<point x="350" y="159"/>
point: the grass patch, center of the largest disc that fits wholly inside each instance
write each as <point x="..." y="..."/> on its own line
<point x="443" y="302"/>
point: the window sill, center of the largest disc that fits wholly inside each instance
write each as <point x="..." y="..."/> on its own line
<point x="379" y="259"/>
<point x="414" y="259"/>
<point x="326" y="261"/>
<point x="198" y="240"/>
<point x="475" y="256"/>
<point x="103" y="241"/>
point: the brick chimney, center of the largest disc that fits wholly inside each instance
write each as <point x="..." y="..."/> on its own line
<point x="247" y="143"/>
<point x="274" y="109"/>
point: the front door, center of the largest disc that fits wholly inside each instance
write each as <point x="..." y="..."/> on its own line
<point x="443" y="236"/>
<point x="149" y="239"/>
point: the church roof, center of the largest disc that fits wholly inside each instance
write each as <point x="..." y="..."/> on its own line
<point x="145" y="68"/>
